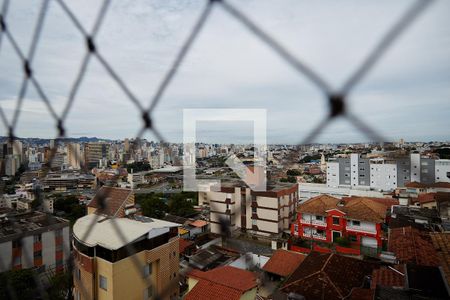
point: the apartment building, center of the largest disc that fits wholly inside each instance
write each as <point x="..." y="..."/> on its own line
<point x="33" y="240"/>
<point x="94" y="152"/>
<point x="121" y="255"/>
<point x="265" y="213"/>
<point x="385" y="174"/>
<point x="74" y="158"/>
<point x="326" y="218"/>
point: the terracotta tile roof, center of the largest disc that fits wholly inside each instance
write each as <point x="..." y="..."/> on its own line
<point x="416" y="184"/>
<point x="426" y="198"/>
<point x="388" y="277"/>
<point x="359" y="208"/>
<point x="230" y="277"/>
<point x="283" y="262"/>
<point x="322" y="276"/>
<point x="412" y="245"/>
<point x="198" y="223"/>
<point x="362" y="294"/>
<point x="420" y="185"/>
<point x="441" y="242"/>
<point x="206" y="290"/>
<point x="115" y="200"/>
<point x="184" y="244"/>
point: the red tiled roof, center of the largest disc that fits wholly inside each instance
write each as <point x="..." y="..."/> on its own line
<point x="358" y="208"/>
<point x="231" y="277"/>
<point x="198" y="223"/>
<point x="441" y="242"/>
<point x="114" y="200"/>
<point x="412" y="245"/>
<point x="362" y="294"/>
<point x="206" y="290"/>
<point x="416" y="184"/>
<point x="283" y="262"/>
<point x="426" y="197"/>
<point x="323" y="276"/>
<point x="184" y="244"/>
<point x="388" y="277"/>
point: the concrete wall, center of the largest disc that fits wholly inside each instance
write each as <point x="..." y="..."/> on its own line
<point x="48" y="248"/>
<point x="333" y="174"/>
<point x="415" y="167"/>
<point x="5" y="256"/>
<point x="442" y="170"/>
<point x="383" y="176"/>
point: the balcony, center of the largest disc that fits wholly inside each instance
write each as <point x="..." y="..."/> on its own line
<point x="314" y="222"/>
<point x="361" y="229"/>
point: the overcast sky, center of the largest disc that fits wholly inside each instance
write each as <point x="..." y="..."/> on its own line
<point x="406" y="95"/>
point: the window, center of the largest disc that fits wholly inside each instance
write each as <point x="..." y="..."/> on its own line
<point x="147" y="269"/>
<point x="77" y="273"/>
<point x="148" y="293"/>
<point x="319" y="218"/>
<point x="103" y="283"/>
<point x="335" y="220"/>
<point x="254" y="210"/>
<point x="320" y="231"/>
<point x="254" y="222"/>
<point x="295" y="227"/>
<point x="356" y="223"/>
<point x="352" y="238"/>
<point x="37" y="238"/>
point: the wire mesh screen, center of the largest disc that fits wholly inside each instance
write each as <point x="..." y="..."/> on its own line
<point x="336" y="98"/>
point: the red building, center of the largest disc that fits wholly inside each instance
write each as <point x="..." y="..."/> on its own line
<point x="325" y="218"/>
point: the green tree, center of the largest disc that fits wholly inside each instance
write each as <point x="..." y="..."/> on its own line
<point x="153" y="205"/>
<point x="20" y="282"/>
<point x="70" y="206"/>
<point x="293" y="172"/>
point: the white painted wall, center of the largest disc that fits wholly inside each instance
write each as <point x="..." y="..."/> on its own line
<point x="27" y="252"/>
<point x="354" y="168"/>
<point x="442" y="167"/>
<point x="415" y="167"/>
<point x="48" y="248"/>
<point x="333" y="174"/>
<point x="383" y="176"/>
<point x="5" y="256"/>
<point x="363" y="226"/>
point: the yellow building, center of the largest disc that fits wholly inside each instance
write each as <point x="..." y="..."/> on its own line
<point x="118" y="255"/>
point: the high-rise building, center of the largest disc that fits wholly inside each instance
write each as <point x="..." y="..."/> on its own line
<point x="74" y="155"/>
<point x="94" y="152"/>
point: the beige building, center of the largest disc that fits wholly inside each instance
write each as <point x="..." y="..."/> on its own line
<point x="267" y="213"/>
<point x="119" y="255"/>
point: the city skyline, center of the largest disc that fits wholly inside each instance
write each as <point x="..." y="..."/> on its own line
<point x="410" y="79"/>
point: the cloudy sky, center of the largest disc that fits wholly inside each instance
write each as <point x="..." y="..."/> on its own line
<point x="406" y="95"/>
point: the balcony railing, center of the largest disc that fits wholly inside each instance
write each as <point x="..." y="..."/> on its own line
<point x="359" y="229"/>
<point x="314" y="222"/>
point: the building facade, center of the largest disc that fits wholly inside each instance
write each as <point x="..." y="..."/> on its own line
<point x="266" y="213"/>
<point x="357" y="219"/>
<point x="34" y="240"/>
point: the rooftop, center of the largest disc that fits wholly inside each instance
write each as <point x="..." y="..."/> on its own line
<point x="13" y="226"/>
<point x="321" y="276"/>
<point x="221" y="283"/>
<point x="283" y="262"/>
<point x="113" y="200"/>
<point x="441" y="243"/>
<point x="358" y="208"/>
<point x="93" y="230"/>
<point x="412" y="245"/>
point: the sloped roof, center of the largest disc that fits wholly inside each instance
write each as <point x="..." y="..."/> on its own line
<point x="416" y="184"/>
<point x="207" y="290"/>
<point x="283" y="262"/>
<point x="426" y="197"/>
<point x="114" y="200"/>
<point x="322" y="276"/>
<point x="441" y="242"/>
<point x="388" y="277"/>
<point x="359" y="208"/>
<point x="184" y="244"/>
<point x="231" y="277"/>
<point x="412" y="245"/>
